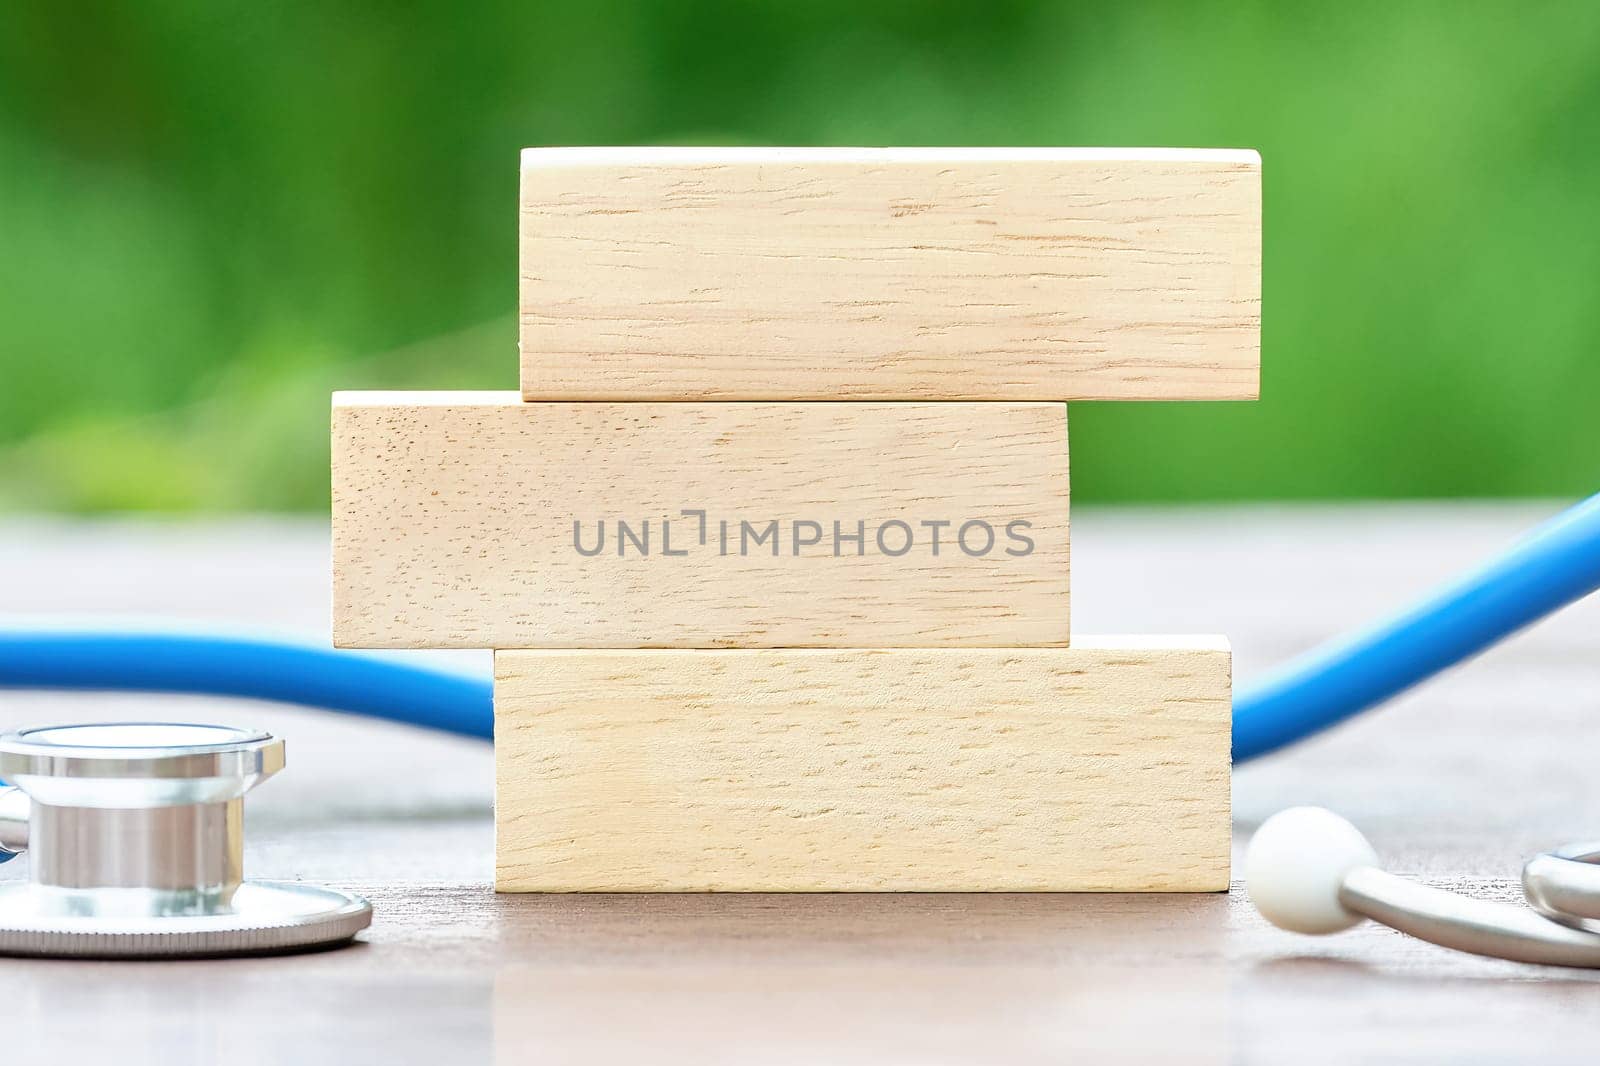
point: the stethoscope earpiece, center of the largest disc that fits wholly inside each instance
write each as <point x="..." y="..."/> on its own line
<point x="1308" y="870"/>
<point x="1296" y="864"/>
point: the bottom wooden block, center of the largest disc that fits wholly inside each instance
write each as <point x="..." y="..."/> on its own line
<point x="1100" y="767"/>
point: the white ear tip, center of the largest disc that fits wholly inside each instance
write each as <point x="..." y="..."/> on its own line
<point x="1295" y="865"/>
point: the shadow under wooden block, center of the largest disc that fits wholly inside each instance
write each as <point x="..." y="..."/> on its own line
<point x="474" y="520"/>
<point x="1100" y="767"/>
<point x="890" y="274"/>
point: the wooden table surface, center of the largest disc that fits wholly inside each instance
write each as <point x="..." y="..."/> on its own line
<point x="1456" y="783"/>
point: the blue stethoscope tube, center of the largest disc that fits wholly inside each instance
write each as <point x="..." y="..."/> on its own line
<point x="1553" y="566"/>
<point x="249" y="669"/>
<point x="1557" y="563"/>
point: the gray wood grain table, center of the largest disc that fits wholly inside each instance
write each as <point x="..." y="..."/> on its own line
<point x="1456" y="783"/>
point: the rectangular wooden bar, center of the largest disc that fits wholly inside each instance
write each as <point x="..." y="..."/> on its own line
<point x="1100" y="767"/>
<point x="474" y="520"/>
<point x="890" y="274"/>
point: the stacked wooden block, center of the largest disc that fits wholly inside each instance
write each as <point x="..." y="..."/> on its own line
<point x="773" y="544"/>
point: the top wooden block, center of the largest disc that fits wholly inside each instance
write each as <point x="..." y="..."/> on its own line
<point x="890" y="274"/>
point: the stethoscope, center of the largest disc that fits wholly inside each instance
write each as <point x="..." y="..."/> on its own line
<point x="136" y="840"/>
<point x="136" y="830"/>
<point x="1308" y="870"/>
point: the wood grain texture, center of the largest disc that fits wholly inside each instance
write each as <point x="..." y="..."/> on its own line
<point x="889" y="274"/>
<point x="1103" y="767"/>
<point x="453" y="523"/>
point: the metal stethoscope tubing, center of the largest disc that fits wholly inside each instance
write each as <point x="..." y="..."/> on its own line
<point x="1310" y="871"/>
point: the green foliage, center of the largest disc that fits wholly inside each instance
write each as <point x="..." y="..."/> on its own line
<point x="212" y="214"/>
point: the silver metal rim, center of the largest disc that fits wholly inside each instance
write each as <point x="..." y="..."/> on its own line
<point x="266" y="917"/>
<point x="242" y="753"/>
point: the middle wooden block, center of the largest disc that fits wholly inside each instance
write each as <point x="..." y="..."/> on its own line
<point x="475" y="520"/>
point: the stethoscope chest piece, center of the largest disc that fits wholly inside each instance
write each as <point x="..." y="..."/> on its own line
<point x="135" y="840"/>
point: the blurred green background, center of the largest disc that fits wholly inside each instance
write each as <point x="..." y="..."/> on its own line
<point x="212" y="214"/>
